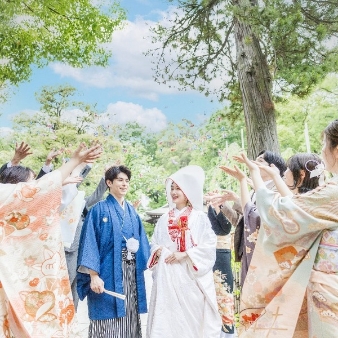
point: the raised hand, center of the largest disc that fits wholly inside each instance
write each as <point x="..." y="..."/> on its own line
<point x="242" y="158"/>
<point x="235" y="172"/>
<point x="136" y="204"/>
<point x="21" y="151"/>
<point x="271" y="170"/>
<point x="83" y="154"/>
<point x="52" y="154"/>
<point x="210" y="195"/>
<point x="226" y="196"/>
<point x="229" y="195"/>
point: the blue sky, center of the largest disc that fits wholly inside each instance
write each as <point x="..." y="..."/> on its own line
<point x="126" y="88"/>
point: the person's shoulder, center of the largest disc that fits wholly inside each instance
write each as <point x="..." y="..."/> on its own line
<point x="163" y="216"/>
<point x="98" y="206"/>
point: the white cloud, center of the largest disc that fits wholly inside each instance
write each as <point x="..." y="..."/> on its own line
<point x="122" y="112"/>
<point x="28" y="112"/>
<point x="116" y="113"/>
<point x="71" y="115"/>
<point x="6" y="131"/>
<point x="129" y="68"/>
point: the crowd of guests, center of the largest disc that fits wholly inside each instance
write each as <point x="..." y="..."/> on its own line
<point x="57" y="246"/>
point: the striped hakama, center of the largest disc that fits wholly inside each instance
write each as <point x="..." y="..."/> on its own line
<point x="122" y="327"/>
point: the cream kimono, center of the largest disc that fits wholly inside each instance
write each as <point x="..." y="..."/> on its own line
<point x="35" y="295"/>
<point x="293" y="272"/>
<point x="183" y="299"/>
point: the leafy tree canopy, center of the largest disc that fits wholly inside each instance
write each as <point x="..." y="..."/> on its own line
<point x="42" y="31"/>
<point x="297" y="39"/>
<point x="154" y="156"/>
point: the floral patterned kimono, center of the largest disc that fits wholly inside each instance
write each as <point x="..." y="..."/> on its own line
<point x="35" y="296"/>
<point x="293" y="276"/>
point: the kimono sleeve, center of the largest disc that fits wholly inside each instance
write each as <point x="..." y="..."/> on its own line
<point x="252" y="219"/>
<point x="89" y="253"/>
<point x="154" y="246"/>
<point x="223" y="222"/>
<point x="144" y="250"/>
<point x="321" y="203"/>
<point x="203" y="255"/>
<point x="234" y="213"/>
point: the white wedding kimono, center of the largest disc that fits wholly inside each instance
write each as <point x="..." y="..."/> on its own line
<point x="183" y="299"/>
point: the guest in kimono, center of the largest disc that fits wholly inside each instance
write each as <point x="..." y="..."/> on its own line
<point x="296" y="255"/>
<point x="35" y="297"/>
<point x="222" y="269"/>
<point x="73" y="213"/>
<point x="14" y="175"/>
<point x="246" y="231"/>
<point x="113" y="254"/>
<point x="183" y="251"/>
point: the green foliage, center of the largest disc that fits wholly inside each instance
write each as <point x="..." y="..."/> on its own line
<point x="153" y="157"/>
<point x="316" y="110"/>
<point x="296" y="38"/>
<point x="38" y="32"/>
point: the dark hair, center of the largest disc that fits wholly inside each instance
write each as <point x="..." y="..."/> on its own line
<point x="273" y="158"/>
<point x="331" y="134"/>
<point x="16" y="174"/>
<point x="113" y="171"/>
<point x="306" y="162"/>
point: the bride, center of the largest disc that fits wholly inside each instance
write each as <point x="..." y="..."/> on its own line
<point x="183" y="252"/>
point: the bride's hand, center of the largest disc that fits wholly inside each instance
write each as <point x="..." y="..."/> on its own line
<point x="175" y="257"/>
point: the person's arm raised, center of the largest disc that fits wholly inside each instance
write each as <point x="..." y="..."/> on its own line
<point x="81" y="154"/>
<point x="254" y="170"/>
<point x="241" y="177"/>
<point x="21" y="151"/>
<point x="273" y="172"/>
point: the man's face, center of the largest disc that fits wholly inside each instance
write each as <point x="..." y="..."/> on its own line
<point x="120" y="185"/>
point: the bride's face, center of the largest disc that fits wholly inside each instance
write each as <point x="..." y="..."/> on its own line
<point x="178" y="196"/>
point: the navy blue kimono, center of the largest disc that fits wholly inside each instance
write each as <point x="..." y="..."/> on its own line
<point x="100" y="249"/>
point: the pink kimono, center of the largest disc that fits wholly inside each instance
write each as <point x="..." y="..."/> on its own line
<point x="291" y="289"/>
<point x="35" y="294"/>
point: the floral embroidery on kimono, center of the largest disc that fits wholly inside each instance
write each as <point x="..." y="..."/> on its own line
<point x="35" y="293"/>
<point x="282" y="271"/>
<point x="225" y="299"/>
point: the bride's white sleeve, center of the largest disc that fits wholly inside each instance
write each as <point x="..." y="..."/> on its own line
<point x="203" y="254"/>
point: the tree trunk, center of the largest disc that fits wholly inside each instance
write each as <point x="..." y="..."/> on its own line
<point x="256" y="88"/>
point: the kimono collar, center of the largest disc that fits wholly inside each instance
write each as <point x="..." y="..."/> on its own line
<point x="179" y="212"/>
